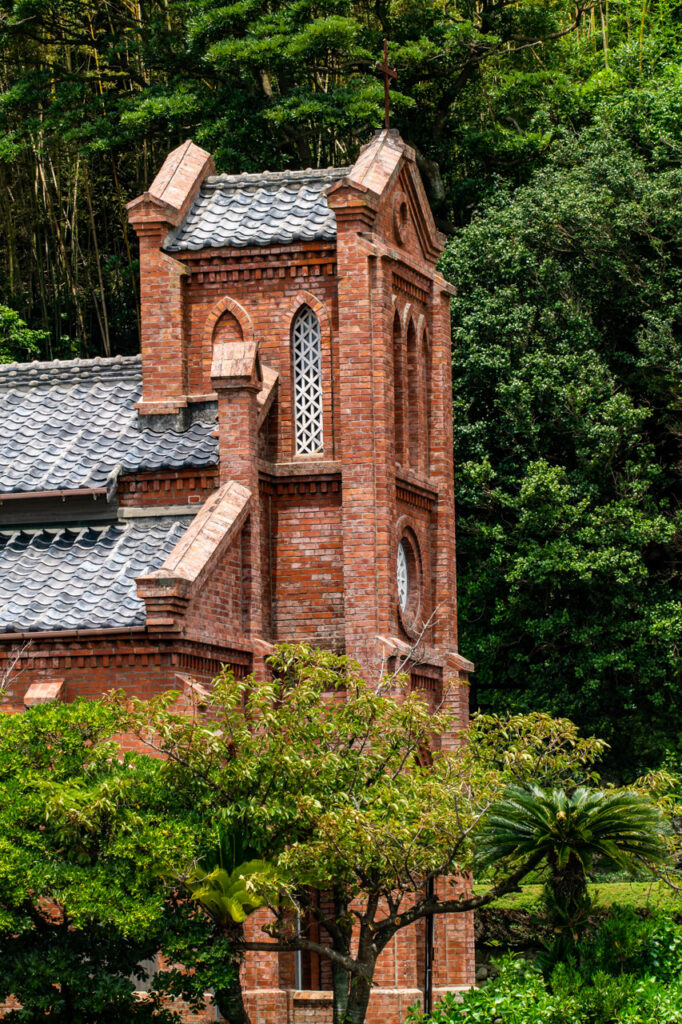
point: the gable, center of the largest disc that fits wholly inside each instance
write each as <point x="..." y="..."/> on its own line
<point x="385" y="181"/>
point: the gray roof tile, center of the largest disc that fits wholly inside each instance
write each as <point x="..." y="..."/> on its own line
<point x="258" y="209"/>
<point x="80" y="578"/>
<point x="68" y="424"/>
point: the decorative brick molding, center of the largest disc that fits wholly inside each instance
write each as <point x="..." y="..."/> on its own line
<point x="276" y="262"/>
<point x="305" y="298"/>
<point x="229" y="305"/>
<point x="415" y="287"/>
<point x="302" y="486"/>
<point x="411" y="493"/>
<point x="167" y="487"/>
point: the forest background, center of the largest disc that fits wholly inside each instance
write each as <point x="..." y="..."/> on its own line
<point x="549" y="137"/>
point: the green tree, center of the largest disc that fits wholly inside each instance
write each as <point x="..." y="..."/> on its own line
<point x="18" y="343"/>
<point x="92" y="96"/>
<point x="567" y="334"/>
<point x="312" y="782"/>
<point x="82" y="898"/>
<point x="568" y="831"/>
<point x="327" y="777"/>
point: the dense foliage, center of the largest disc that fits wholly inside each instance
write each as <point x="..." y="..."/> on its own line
<point x="81" y="897"/>
<point x="631" y="974"/>
<point x="92" y="96"/>
<point x="276" y="791"/>
<point x="568" y="398"/>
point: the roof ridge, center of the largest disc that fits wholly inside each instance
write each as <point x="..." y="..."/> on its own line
<point x="276" y="177"/>
<point x="54" y="369"/>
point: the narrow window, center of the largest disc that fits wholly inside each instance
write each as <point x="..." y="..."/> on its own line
<point x="398" y="391"/>
<point x="414" y="425"/>
<point x="307" y="360"/>
<point x="427" y="399"/>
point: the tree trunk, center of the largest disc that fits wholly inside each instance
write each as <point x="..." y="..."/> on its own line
<point x="341" y="978"/>
<point x="358" y="1001"/>
<point x="571" y="901"/>
<point x="340" y="982"/>
<point x="230" y="1002"/>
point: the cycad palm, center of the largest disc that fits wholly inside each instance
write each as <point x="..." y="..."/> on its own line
<point x="568" y="831"/>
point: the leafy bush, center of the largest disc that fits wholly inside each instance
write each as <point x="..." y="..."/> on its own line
<point x="517" y="996"/>
<point x="630" y="972"/>
<point x="626" y="943"/>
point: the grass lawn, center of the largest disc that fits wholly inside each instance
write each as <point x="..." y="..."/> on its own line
<point x="638" y="895"/>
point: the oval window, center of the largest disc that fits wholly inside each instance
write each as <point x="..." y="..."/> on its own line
<point x="403" y="574"/>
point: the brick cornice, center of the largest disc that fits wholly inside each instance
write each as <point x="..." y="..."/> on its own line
<point x="413" y="494"/>
<point x="51" y="655"/>
<point x="312" y="259"/>
<point x="301" y="485"/>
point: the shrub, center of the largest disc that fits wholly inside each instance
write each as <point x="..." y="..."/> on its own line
<point x="626" y="943"/>
<point x="517" y="995"/>
<point x="630" y="972"/>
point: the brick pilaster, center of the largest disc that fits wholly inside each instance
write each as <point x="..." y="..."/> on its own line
<point x="162" y="333"/>
<point x="238" y="413"/>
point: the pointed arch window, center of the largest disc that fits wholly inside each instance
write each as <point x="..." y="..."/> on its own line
<point x="398" y="391"/>
<point x="415" y="438"/>
<point x="427" y="399"/>
<point x="307" y="367"/>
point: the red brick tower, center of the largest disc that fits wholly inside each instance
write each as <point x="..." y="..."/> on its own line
<point x="308" y="305"/>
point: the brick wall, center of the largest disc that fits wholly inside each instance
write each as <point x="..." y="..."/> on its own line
<point x="176" y="487"/>
<point x="217" y="613"/>
<point x="306" y="552"/>
<point x="136" y="661"/>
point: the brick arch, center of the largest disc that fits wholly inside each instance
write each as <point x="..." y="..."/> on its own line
<point x="406" y="525"/>
<point x="399" y="380"/>
<point x="303" y="298"/>
<point x="228" y="305"/>
<point x="426" y="356"/>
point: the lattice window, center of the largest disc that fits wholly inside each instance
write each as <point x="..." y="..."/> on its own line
<point x="307" y="350"/>
<point x="403" y="574"/>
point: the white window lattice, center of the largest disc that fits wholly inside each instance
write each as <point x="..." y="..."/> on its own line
<point x="307" y="350"/>
<point x="403" y="574"/>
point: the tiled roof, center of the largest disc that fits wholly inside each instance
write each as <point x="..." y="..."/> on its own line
<point x="258" y="209"/>
<point x="68" y="424"/>
<point x="80" y="578"/>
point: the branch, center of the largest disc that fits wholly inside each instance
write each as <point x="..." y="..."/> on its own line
<point x="433" y="905"/>
<point x="290" y="946"/>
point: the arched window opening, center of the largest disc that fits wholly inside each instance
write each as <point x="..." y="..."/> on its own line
<point x="307" y="372"/>
<point x="426" y="361"/>
<point x="398" y="391"/>
<point x="414" y="394"/>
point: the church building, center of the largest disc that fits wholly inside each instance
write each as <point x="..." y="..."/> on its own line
<point x="275" y="466"/>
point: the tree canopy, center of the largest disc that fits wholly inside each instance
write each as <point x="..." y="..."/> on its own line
<point x="567" y="349"/>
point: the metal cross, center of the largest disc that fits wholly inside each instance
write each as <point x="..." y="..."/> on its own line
<point x="388" y="73"/>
